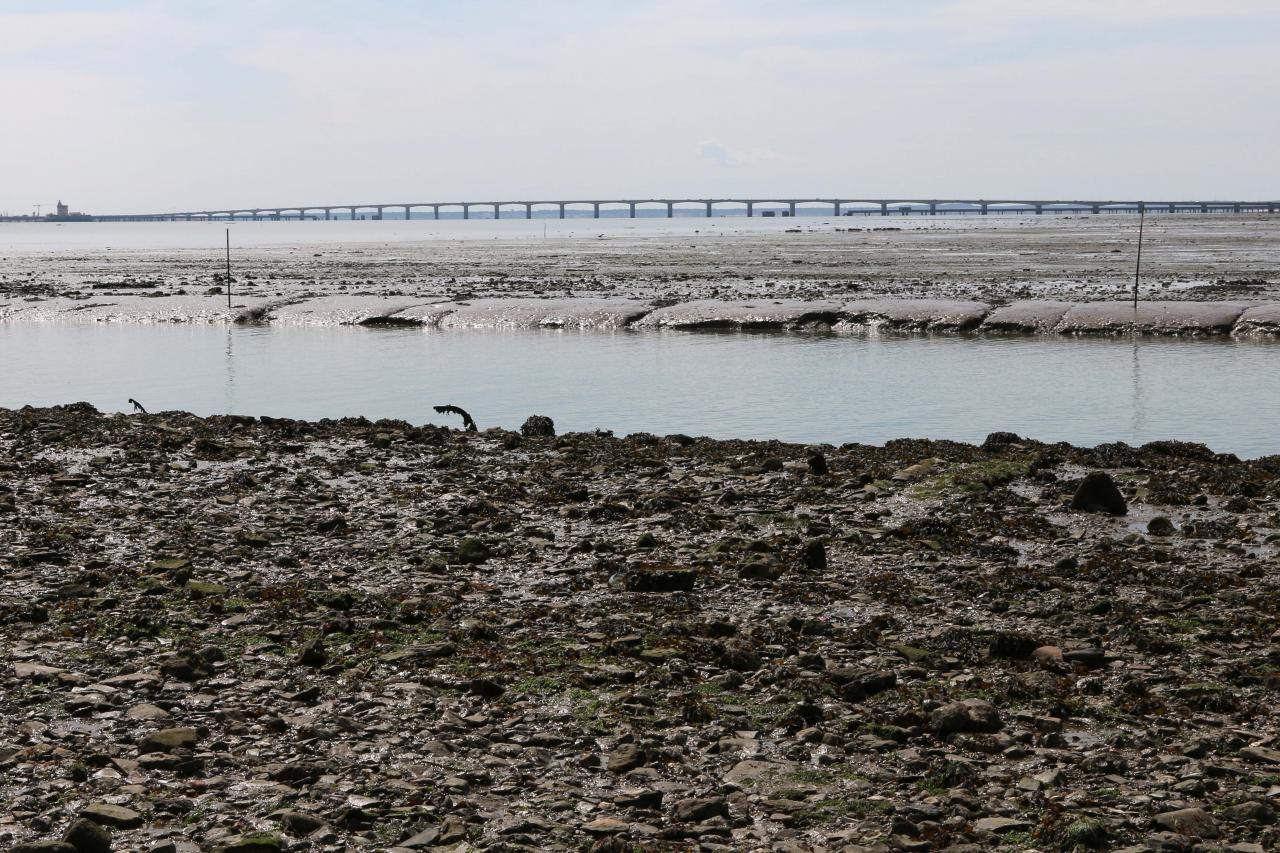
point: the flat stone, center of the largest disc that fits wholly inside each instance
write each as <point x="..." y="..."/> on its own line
<point x="253" y="842"/>
<point x="167" y="740"/>
<point x="145" y="711"/>
<point x="702" y="808"/>
<point x="1000" y="824"/>
<point x="109" y="814"/>
<point x="1260" y="755"/>
<point x="423" y="839"/>
<point x="753" y="772"/>
<point x="36" y="671"/>
<point x="1193" y="821"/>
<point x="606" y="826"/>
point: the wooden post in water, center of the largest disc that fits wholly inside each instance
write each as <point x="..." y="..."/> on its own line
<point x="1137" y="270"/>
<point x="229" y="267"/>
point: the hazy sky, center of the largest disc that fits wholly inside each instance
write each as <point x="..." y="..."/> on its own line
<point x="153" y="105"/>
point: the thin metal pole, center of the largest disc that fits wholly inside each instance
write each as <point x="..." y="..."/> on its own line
<point x="1137" y="271"/>
<point x="229" y="268"/>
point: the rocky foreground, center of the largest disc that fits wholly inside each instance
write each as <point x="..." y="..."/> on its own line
<point x="258" y="635"/>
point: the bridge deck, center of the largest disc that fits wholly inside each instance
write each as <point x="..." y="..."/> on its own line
<point x="670" y="207"/>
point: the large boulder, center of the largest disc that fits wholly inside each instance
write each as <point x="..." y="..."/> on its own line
<point x="1097" y="492"/>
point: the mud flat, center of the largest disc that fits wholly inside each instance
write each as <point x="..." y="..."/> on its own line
<point x="993" y="259"/>
<point x="1153" y="317"/>
<point x="260" y="634"/>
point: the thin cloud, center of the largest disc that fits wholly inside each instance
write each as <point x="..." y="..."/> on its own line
<point x="36" y="32"/>
<point x="723" y="155"/>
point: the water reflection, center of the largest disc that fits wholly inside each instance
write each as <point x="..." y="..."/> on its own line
<point x="229" y="386"/>
<point x="1139" y="408"/>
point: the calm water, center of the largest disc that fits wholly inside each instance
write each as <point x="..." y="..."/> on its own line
<point x="795" y="387"/>
<point x="44" y="237"/>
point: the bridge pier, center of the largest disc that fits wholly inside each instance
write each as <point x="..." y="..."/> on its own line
<point x="328" y="213"/>
<point x="1039" y="208"/>
<point x="751" y="209"/>
<point x="435" y="211"/>
<point x="379" y="213"/>
<point x="631" y="209"/>
<point x="791" y="209"/>
<point x="884" y="208"/>
<point x="1235" y="208"/>
<point x="562" y="210"/>
<point x="466" y="211"/>
<point x="933" y="208"/>
<point x="671" y="210"/>
<point x="407" y="214"/>
<point x="497" y="212"/>
<point x="835" y="203"/>
<point x="984" y="208"/>
<point x="528" y="211"/>
<point x="708" y="210"/>
<point x="354" y="217"/>
<point x="595" y="210"/>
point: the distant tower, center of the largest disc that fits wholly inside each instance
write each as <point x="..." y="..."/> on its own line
<point x="63" y="210"/>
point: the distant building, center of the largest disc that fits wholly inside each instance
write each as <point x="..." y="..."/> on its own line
<point x="64" y="213"/>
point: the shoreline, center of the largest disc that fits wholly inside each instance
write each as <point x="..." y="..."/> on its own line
<point x="1235" y="318"/>
<point x="229" y="630"/>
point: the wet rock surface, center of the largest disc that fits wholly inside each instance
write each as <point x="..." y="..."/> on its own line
<point x="263" y="634"/>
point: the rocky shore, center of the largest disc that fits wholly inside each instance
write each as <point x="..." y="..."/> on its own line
<point x="245" y="634"/>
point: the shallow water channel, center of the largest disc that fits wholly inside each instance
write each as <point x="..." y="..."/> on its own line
<point x="796" y="387"/>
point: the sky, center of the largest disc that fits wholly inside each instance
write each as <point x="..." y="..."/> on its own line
<point x="153" y="105"/>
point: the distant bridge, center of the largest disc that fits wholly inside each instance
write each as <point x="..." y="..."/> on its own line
<point x="671" y="207"/>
